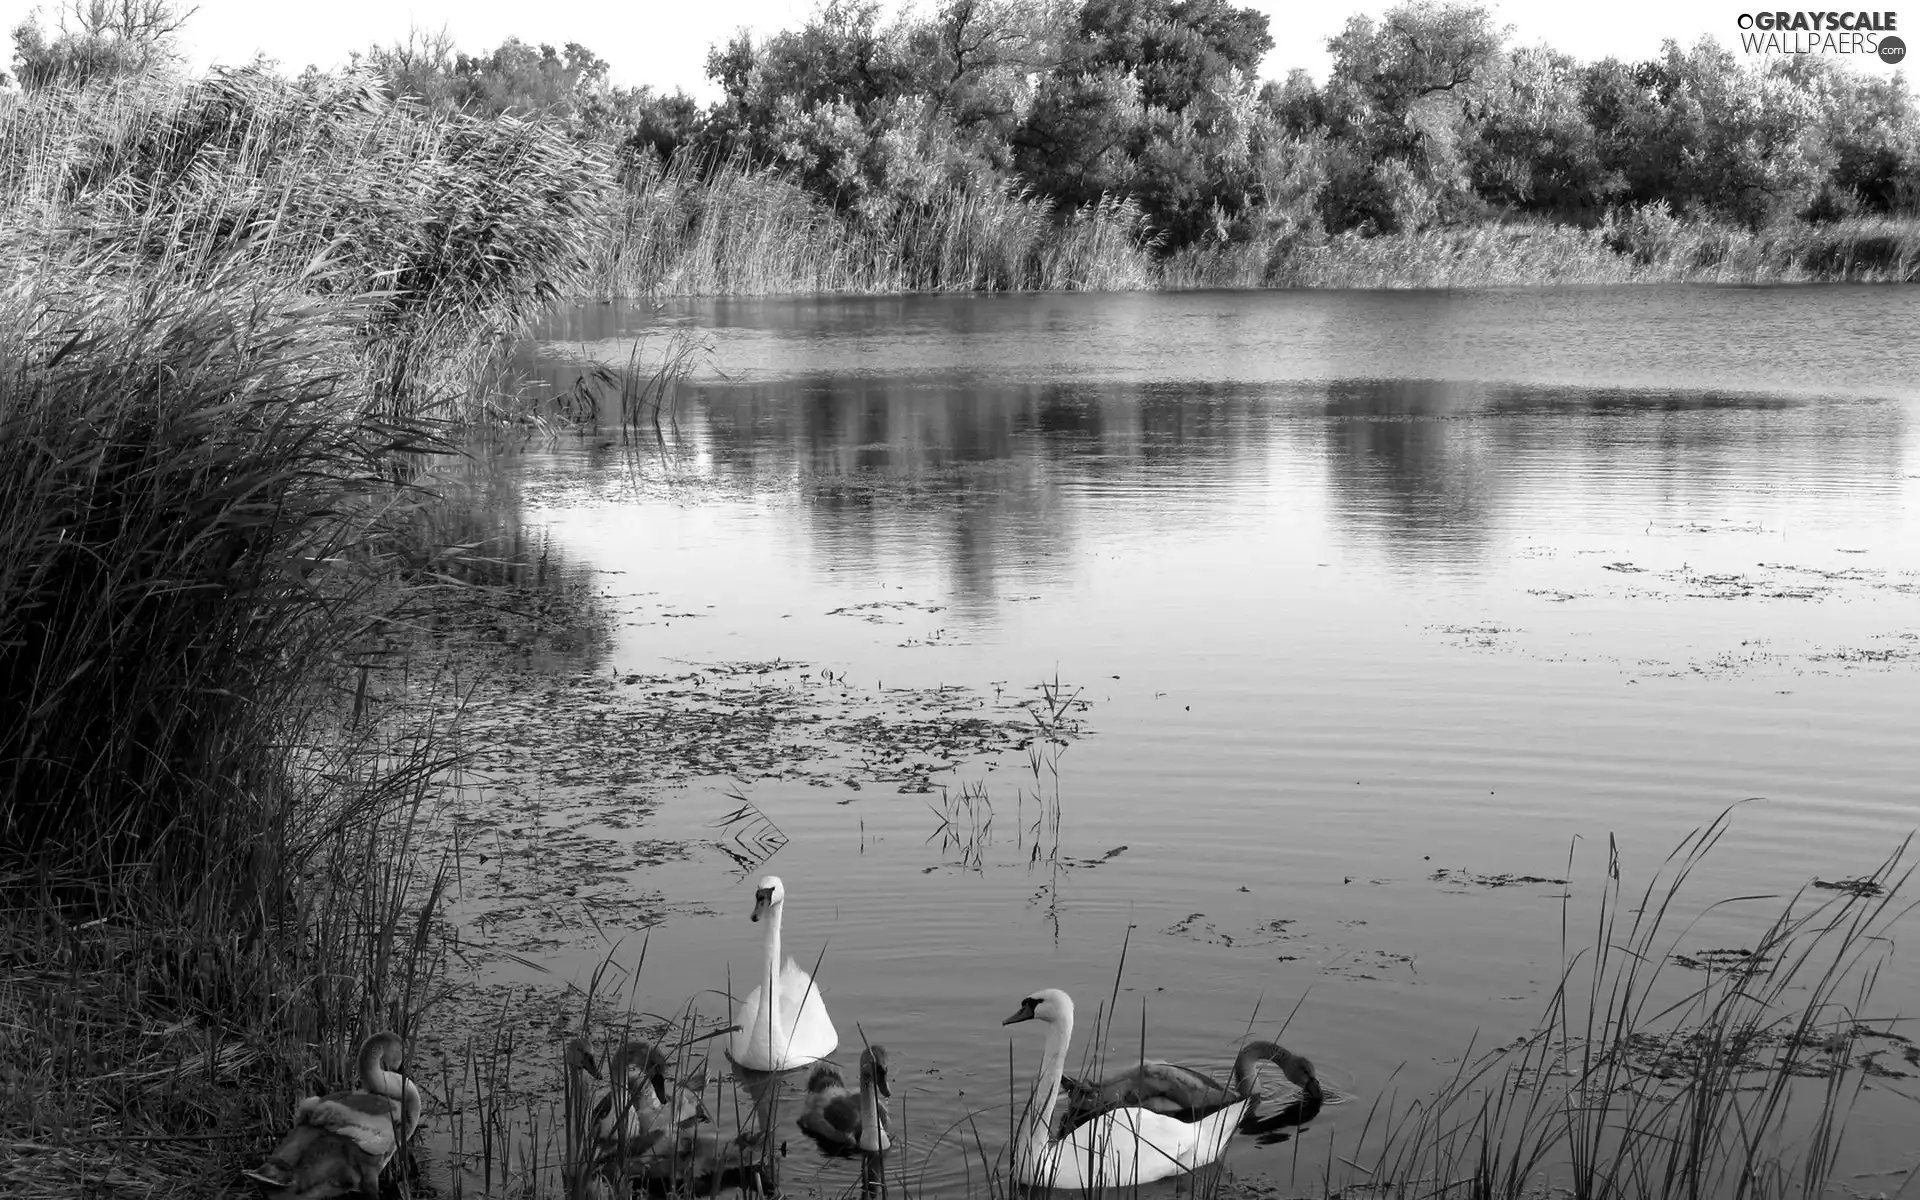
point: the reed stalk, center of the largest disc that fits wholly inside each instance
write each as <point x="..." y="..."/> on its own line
<point x="1639" y="1083"/>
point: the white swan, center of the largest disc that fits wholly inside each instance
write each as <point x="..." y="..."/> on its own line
<point x="783" y="1021"/>
<point x="1118" y="1148"/>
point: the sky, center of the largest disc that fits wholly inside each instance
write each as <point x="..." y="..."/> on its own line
<point x="665" y="42"/>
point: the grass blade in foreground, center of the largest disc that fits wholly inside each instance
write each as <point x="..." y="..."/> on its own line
<point x="1644" y="1083"/>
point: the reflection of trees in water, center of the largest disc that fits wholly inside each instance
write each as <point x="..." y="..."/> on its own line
<point x="999" y="481"/>
<point x="1438" y="470"/>
<point x="993" y="477"/>
<point x="484" y="578"/>
<point x="900" y="472"/>
<point x="1404" y="467"/>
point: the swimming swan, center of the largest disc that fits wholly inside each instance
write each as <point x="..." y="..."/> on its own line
<point x="638" y="1114"/>
<point x="783" y="1021"/>
<point x="341" y="1142"/>
<point x="1120" y="1147"/>
<point x="842" y="1121"/>
<point x="1173" y="1089"/>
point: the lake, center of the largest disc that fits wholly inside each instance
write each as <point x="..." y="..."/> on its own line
<point x="1363" y="620"/>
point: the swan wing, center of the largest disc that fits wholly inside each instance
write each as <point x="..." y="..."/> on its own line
<point x="1155" y="1084"/>
<point x="835" y="1118"/>
<point x="810" y="1034"/>
<point x="1183" y="1086"/>
<point x="751" y="1045"/>
<point x="1127" y="1146"/>
<point x="1187" y="1145"/>
<point x="806" y="1032"/>
<point x="364" y="1119"/>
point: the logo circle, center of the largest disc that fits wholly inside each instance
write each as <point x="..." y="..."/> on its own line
<point x="1892" y="49"/>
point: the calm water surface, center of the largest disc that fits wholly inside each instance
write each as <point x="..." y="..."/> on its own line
<point x="1358" y="588"/>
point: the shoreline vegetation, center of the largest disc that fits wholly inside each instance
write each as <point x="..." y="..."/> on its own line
<point x="1035" y="145"/>
<point x="247" y="317"/>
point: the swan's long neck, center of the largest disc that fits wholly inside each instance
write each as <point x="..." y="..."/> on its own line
<point x="644" y="1097"/>
<point x="1046" y="1088"/>
<point x="1246" y="1067"/>
<point x="375" y="1078"/>
<point x="872" y="1136"/>
<point x="409" y="1110"/>
<point x="772" y="976"/>
<point x="1298" y="1070"/>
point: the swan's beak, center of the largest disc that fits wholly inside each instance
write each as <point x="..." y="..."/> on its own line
<point x="880" y="1080"/>
<point x="580" y="1057"/>
<point x="762" y="901"/>
<point x="1029" y="1009"/>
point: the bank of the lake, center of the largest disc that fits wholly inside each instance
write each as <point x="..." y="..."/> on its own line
<point x="239" y="321"/>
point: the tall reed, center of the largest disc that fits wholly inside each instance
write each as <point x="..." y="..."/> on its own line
<point x="1645" y="245"/>
<point x="238" y="317"/>
<point x="1641" y="1084"/>
<point x="448" y="232"/>
<point x="720" y="225"/>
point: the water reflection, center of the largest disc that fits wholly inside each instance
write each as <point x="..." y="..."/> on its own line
<point x="995" y="478"/>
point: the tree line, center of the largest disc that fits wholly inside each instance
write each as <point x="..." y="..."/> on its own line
<point x="1430" y="116"/>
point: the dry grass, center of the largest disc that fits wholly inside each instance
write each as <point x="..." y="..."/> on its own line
<point x="237" y="317"/>
<point x="1476" y="256"/>
<point x="157" y="1049"/>
<point x="1640" y="246"/>
<point x="724" y="227"/>
<point x="1854" y="250"/>
<point x="445" y="235"/>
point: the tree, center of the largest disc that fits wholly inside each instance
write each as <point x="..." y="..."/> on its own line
<point x="659" y="124"/>
<point x="1419" y="52"/>
<point x="1872" y="132"/>
<point x="1153" y="99"/>
<point x="98" y="38"/>
<point x="1403" y="95"/>
<point x="531" y="80"/>
<point x="974" y="62"/>
<point x="822" y="101"/>
<point x="1175" y="49"/>
<point x="1534" y="149"/>
<point x="1696" y="129"/>
<point x="518" y="77"/>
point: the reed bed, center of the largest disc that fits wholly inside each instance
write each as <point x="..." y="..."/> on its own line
<point x="1851" y="250"/>
<point x="149" y="1047"/>
<point x="1637" y="246"/>
<point x="721" y="226"/>
<point x="1643" y="1080"/>
<point x="1476" y="256"/>
<point x="444" y="234"/>
<point x="240" y="317"/>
